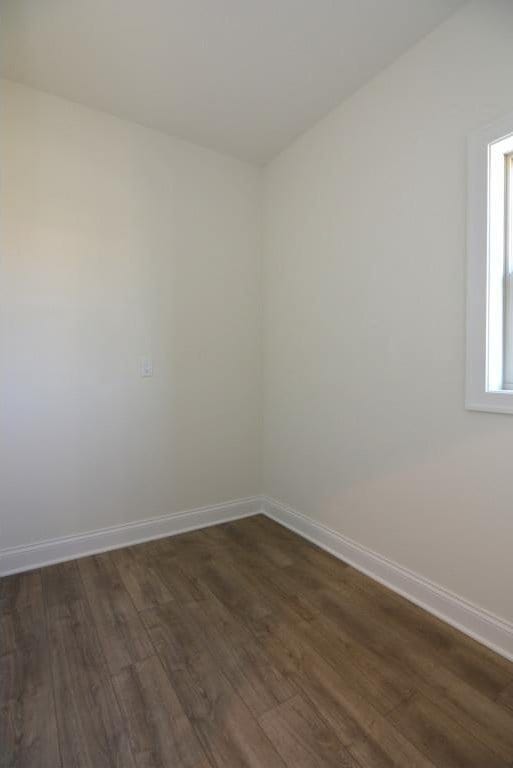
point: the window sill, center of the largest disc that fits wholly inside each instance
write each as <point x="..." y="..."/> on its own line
<point x="492" y="402"/>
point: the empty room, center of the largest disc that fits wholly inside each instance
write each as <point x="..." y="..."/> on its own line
<point x="256" y="384"/>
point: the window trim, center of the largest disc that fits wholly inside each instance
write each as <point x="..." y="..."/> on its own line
<point x="485" y="280"/>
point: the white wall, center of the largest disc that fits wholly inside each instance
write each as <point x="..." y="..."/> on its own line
<point x="116" y="242"/>
<point x="364" y="425"/>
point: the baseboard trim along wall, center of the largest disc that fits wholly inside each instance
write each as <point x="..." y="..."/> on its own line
<point x="482" y="626"/>
<point x="25" y="558"/>
<point x="479" y="624"/>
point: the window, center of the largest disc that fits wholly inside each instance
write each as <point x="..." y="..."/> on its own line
<point x="490" y="269"/>
<point x="508" y="278"/>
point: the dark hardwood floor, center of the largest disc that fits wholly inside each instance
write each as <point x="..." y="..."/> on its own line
<point x="239" y="645"/>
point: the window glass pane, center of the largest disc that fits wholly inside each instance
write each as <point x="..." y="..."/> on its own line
<point x="508" y="278"/>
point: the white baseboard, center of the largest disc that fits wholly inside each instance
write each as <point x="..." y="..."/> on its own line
<point x="25" y="558"/>
<point x="479" y="624"/>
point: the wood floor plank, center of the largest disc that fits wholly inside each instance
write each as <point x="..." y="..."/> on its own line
<point x="277" y="585"/>
<point x="382" y="746"/>
<point x="242" y="533"/>
<point x="342" y="697"/>
<point x="239" y="646"/>
<point x="120" y="630"/>
<point x="161" y="735"/>
<point x="173" y="635"/>
<point x="484" y="669"/>
<point x="463" y="702"/>
<point x="216" y="614"/>
<point x="391" y="686"/>
<point x="303" y="739"/>
<point x="250" y="672"/>
<point x="229" y="734"/>
<point x="217" y="536"/>
<point x="235" y="591"/>
<point x="91" y="731"/>
<point x="28" y="728"/>
<point x="182" y="587"/>
<point x="19" y="590"/>
<point x="207" y="626"/>
<point x="487" y="720"/>
<point x="23" y="623"/>
<point x="390" y="683"/>
<point x="62" y="584"/>
<point x="193" y="547"/>
<point x="440" y="738"/>
<point x="309" y="580"/>
<point x="265" y="585"/>
<point x="300" y="551"/>
<point x="28" y="733"/>
<point x="460" y="700"/>
<point x="505" y="697"/>
<point x="143" y="584"/>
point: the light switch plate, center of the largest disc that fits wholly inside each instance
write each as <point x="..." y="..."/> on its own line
<point x="146" y="366"/>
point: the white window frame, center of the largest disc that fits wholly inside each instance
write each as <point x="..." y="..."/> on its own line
<point x="486" y="254"/>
